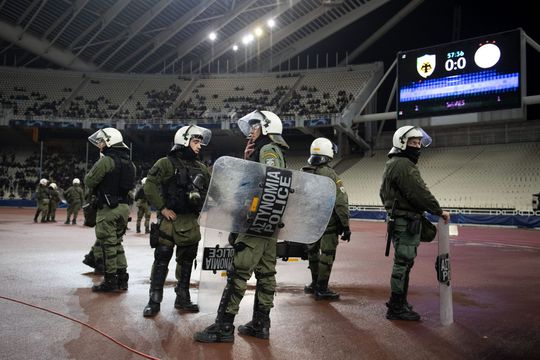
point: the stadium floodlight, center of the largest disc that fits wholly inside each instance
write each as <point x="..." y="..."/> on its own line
<point x="247" y="39"/>
<point x="212" y="36"/>
<point x="271" y="24"/>
<point x="259" y="32"/>
<point x="235" y="47"/>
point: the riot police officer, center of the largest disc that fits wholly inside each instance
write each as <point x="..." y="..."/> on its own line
<point x="183" y="181"/>
<point x="42" y="199"/>
<point x="75" y="198"/>
<point x="54" y="199"/>
<point x="110" y="179"/>
<point x="143" y="209"/>
<point x="322" y="253"/>
<point x="252" y="253"/>
<point x="406" y="197"/>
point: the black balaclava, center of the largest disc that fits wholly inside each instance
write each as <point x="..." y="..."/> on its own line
<point x="259" y="143"/>
<point x="413" y="153"/>
<point x="410" y="152"/>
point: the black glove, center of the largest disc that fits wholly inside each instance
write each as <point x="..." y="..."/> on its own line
<point x="346" y="234"/>
<point x="232" y="238"/>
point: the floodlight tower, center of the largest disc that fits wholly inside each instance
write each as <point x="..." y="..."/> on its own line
<point x="212" y="36"/>
<point x="271" y="24"/>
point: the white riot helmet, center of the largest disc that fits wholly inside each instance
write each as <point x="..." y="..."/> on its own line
<point x="185" y="133"/>
<point x="43" y="182"/>
<point x="53" y="186"/>
<point x="270" y="125"/>
<point x="322" y="151"/>
<point x="110" y="136"/>
<point x="143" y="181"/>
<point x="323" y="146"/>
<point x="76" y="181"/>
<point x="404" y="133"/>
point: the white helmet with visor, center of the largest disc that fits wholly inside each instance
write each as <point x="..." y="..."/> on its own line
<point x="404" y="133"/>
<point x="109" y="136"/>
<point x="269" y="122"/>
<point x="185" y="133"/>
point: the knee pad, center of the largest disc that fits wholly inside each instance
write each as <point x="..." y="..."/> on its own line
<point x="163" y="253"/>
<point x="191" y="252"/>
<point x="401" y="261"/>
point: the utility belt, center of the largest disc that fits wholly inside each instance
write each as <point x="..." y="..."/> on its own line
<point x="406" y="214"/>
<point x="112" y="201"/>
<point x="414" y="220"/>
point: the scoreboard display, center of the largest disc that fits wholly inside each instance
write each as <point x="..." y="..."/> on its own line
<point x="479" y="74"/>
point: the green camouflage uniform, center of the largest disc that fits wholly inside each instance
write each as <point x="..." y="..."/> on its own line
<point x="143" y="210"/>
<point x="184" y="231"/>
<point x="111" y="223"/>
<point x="322" y="253"/>
<point x="75" y="198"/>
<point x="42" y="199"/>
<point x="53" y="204"/>
<point x="259" y="253"/>
<point x="402" y="182"/>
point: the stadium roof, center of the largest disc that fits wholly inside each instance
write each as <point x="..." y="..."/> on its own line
<point x="151" y="36"/>
<point x="146" y="36"/>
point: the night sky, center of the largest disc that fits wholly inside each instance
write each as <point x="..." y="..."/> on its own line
<point x="431" y="23"/>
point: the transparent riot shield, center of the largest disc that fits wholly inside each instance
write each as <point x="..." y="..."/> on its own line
<point x="216" y="257"/>
<point x="61" y="196"/>
<point x="249" y="197"/>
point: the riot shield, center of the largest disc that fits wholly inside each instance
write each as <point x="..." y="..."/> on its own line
<point x="61" y="196"/>
<point x="217" y="256"/>
<point x="249" y="197"/>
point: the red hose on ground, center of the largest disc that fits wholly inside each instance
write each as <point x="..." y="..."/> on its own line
<point x="84" y="324"/>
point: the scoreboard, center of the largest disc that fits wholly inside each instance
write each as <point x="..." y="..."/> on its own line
<point x="473" y="75"/>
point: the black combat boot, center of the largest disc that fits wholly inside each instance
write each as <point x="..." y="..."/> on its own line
<point x="310" y="289"/>
<point x="405" y="292"/>
<point x="90" y="260"/>
<point x="154" y="304"/>
<point x="397" y="309"/>
<point x="97" y="265"/>
<point x="259" y="326"/>
<point x="100" y="267"/>
<point x="220" y="331"/>
<point x="74" y="222"/>
<point x="322" y="292"/>
<point x="123" y="278"/>
<point x="183" y="299"/>
<point x="109" y="284"/>
<point x="157" y="281"/>
<point x="36" y="216"/>
<point x="67" y="222"/>
<point x="138" y="229"/>
<point x="146" y="230"/>
<point x="223" y="329"/>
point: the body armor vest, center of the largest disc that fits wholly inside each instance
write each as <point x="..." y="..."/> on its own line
<point x="178" y="187"/>
<point x="118" y="182"/>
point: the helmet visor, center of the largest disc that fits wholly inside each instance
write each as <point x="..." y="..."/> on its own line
<point x="248" y="121"/>
<point x="426" y="139"/>
<point x="417" y="132"/>
<point x="194" y="131"/>
<point x="97" y="137"/>
<point x="202" y="133"/>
